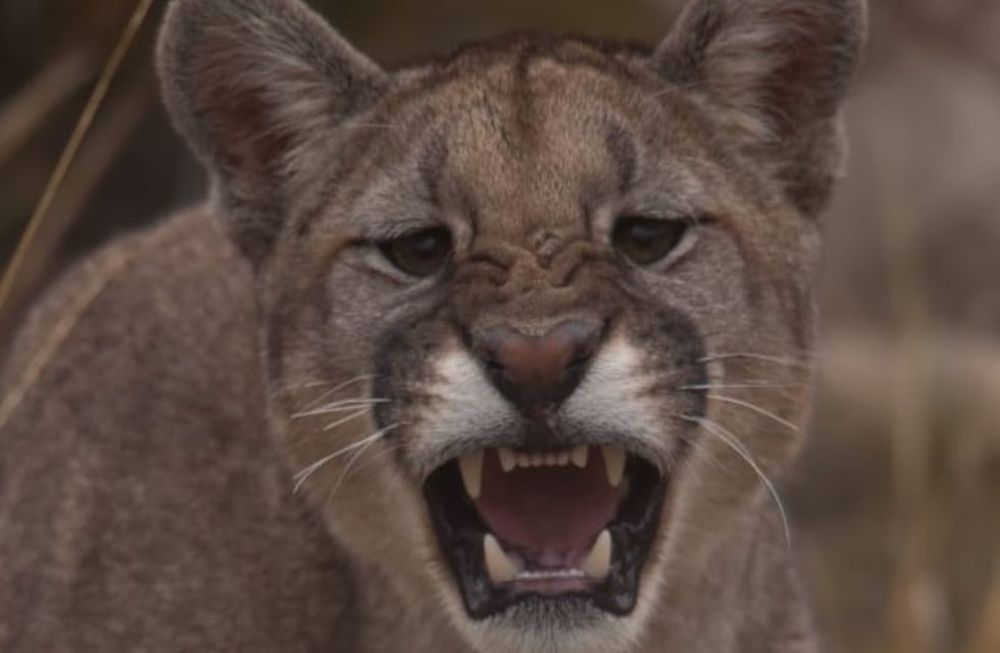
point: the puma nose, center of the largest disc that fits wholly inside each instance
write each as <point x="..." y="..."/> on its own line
<point x="538" y="371"/>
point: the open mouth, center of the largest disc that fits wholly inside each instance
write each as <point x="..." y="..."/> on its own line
<point x="575" y="524"/>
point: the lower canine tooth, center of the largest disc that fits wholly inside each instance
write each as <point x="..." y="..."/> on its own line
<point x="471" y="466"/>
<point x="508" y="459"/>
<point x="614" y="464"/>
<point x="499" y="566"/>
<point x="579" y="455"/>
<point x="598" y="562"/>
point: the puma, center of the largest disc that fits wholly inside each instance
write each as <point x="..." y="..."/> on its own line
<point x="499" y="351"/>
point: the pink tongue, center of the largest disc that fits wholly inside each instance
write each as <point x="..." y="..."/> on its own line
<point x="548" y="511"/>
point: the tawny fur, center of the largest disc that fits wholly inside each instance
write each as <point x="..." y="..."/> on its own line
<point x="165" y="400"/>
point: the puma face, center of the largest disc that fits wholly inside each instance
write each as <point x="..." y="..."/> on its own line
<point x="534" y="314"/>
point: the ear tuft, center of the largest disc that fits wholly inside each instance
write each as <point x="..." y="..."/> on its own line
<point x="775" y="72"/>
<point x="249" y="83"/>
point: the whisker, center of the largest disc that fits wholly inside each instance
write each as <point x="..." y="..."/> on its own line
<point x="697" y="446"/>
<point x="337" y="388"/>
<point x="303" y="475"/>
<point x="381" y="454"/>
<point x="780" y="360"/>
<point x="733" y="443"/>
<point x="357" y="456"/>
<point x="316" y="383"/>
<point x="723" y="386"/>
<point x="757" y="409"/>
<point x="306" y="385"/>
<point x="329" y="427"/>
<point x="675" y="375"/>
<point x="339" y="407"/>
<point x="344" y="420"/>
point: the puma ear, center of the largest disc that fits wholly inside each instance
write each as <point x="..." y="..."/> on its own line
<point x="776" y="73"/>
<point x="250" y="83"/>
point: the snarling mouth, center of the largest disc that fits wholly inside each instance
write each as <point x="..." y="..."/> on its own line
<point x="575" y="524"/>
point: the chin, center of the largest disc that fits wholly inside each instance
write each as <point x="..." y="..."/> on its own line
<point x="559" y="625"/>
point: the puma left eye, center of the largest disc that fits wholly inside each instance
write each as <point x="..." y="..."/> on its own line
<point x="645" y="241"/>
<point x="421" y="254"/>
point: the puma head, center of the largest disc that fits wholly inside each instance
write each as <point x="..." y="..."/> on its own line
<point x="535" y="314"/>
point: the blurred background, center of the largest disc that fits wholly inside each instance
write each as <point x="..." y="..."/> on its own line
<point x="898" y="497"/>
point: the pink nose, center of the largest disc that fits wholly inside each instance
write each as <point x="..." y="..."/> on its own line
<point x="538" y="371"/>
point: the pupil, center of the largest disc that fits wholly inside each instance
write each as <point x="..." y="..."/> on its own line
<point x="427" y="246"/>
<point x="646" y="233"/>
<point x="646" y="240"/>
<point x="420" y="254"/>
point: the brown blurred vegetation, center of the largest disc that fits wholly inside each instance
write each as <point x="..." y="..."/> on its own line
<point x="897" y="496"/>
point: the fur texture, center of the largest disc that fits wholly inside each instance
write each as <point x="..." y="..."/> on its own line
<point x="212" y="447"/>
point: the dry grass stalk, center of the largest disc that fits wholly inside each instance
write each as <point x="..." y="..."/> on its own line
<point x="112" y="132"/>
<point x="27" y="110"/>
<point x="90" y="111"/>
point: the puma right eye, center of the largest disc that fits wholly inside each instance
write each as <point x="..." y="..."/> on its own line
<point x="645" y="241"/>
<point x="420" y="254"/>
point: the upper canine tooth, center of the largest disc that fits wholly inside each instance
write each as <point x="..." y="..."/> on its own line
<point x="579" y="455"/>
<point x="499" y="566"/>
<point x="598" y="562"/>
<point x="614" y="464"/>
<point x="471" y="466"/>
<point x="508" y="459"/>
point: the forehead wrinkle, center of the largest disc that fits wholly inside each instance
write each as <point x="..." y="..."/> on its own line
<point x="524" y="150"/>
<point x="544" y="182"/>
<point x="430" y="165"/>
<point x="523" y="95"/>
<point x="623" y="153"/>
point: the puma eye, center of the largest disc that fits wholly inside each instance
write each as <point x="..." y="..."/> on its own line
<point x="420" y="254"/>
<point x="645" y="241"/>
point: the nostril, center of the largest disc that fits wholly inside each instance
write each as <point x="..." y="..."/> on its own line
<point x="493" y="365"/>
<point x="579" y="362"/>
<point x="579" y="339"/>
<point x="585" y="350"/>
<point x="533" y="370"/>
<point x="581" y="358"/>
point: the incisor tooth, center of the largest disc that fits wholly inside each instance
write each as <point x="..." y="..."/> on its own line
<point x="471" y="466"/>
<point x="598" y="562"/>
<point x="508" y="459"/>
<point x="614" y="464"/>
<point x="499" y="566"/>
<point x="579" y="455"/>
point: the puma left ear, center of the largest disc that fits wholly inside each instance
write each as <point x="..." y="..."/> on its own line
<point x="251" y="84"/>
<point x="776" y="73"/>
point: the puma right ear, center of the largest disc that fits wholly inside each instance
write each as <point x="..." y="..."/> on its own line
<point x="775" y="72"/>
<point x="250" y="83"/>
